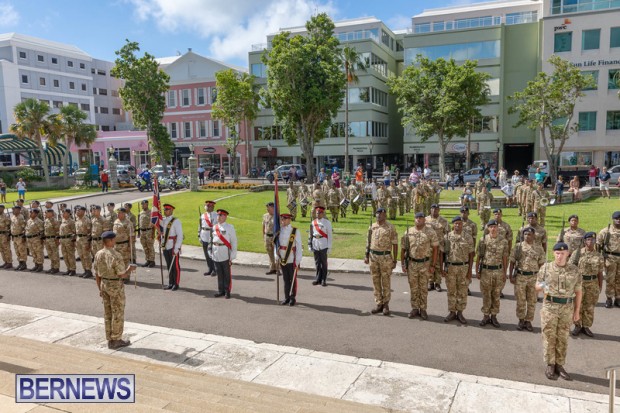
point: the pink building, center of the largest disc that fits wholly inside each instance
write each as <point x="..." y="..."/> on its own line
<point x="130" y="148"/>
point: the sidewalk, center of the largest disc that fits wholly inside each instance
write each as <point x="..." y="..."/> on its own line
<point x="395" y="386"/>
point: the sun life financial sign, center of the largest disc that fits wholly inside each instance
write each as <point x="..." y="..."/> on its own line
<point x="595" y="63"/>
<point x="75" y="388"/>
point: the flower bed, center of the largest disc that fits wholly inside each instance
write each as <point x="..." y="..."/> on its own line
<point x="228" y="185"/>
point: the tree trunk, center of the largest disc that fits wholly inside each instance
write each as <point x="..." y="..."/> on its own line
<point x="346" y="130"/>
<point x="65" y="169"/>
<point x="468" y="149"/>
<point x="46" y="172"/>
<point x="442" y="157"/>
<point x="248" y="150"/>
<point x="307" y="147"/>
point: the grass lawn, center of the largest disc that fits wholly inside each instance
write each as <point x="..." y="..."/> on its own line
<point x="32" y="195"/>
<point x="247" y="208"/>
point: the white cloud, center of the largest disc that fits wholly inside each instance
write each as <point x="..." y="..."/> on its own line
<point x="230" y="26"/>
<point x="9" y="17"/>
<point x="398" y="22"/>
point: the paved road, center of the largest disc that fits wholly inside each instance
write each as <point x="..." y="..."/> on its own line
<point x="334" y="319"/>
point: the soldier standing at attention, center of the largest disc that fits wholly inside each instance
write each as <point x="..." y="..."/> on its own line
<point x="18" y="229"/>
<point x="66" y="234"/>
<point x="224" y="252"/>
<point x="441" y="227"/>
<point x="289" y="258"/>
<point x="333" y="203"/>
<point x="110" y="218"/>
<point x="5" y="239"/>
<point x="303" y="196"/>
<point x="50" y="239"/>
<point x="470" y="227"/>
<point x="110" y="272"/>
<point x="539" y="232"/>
<point x="321" y="245"/>
<point x="590" y="264"/>
<point x="419" y="247"/>
<point x="291" y="199"/>
<point x="492" y="259"/>
<point x="207" y="222"/>
<point x="561" y="284"/>
<point x="392" y="200"/>
<point x="83" y="229"/>
<point x="172" y="240"/>
<point x="23" y="210"/>
<point x="318" y="195"/>
<point x="484" y="205"/>
<point x="609" y="244"/>
<point x="268" y="238"/>
<point x="352" y="193"/>
<point x="459" y="250"/>
<point x="381" y="196"/>
<point x="97" y="223"/>
<point x="123" y="230"/>
<point x="134" y="222"/>
<point x="34" y="234"/>
<point x="526" y="258"/>
<point x="504" y="231"/>
<point x="147" y="240"/>
<point x="573" y="236"/>
<point x="382" y="255"/>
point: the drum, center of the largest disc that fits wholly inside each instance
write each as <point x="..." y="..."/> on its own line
<point x="344" y="203"/>
<point x="292" y="205"/>
<point x="304" y="202"/>
<point x="357" y="200"/>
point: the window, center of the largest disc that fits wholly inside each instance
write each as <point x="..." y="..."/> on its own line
<point x="591" y="39"/>
<point x="84" y="87"/>
<point x="614" y="37"/>
<point x="359" y="95"/>
<point x="103" y="92"/>
<point x="71" y="85"/>
<point x="385" y="38"/>
<point x="92" y="70"/>
<point x="94" y="91"/>
<point x="47" y="102"/>
<point x="563" y="42"/>
<point x="594" y="75"/>
<point x="422" y="28"/>
<point x="374" y="62"/>
<point x="587" y="121"/>
<point x="173" y="130"/>
<point x="82" y="66"/>
<point x="214" y="97"/>
<point x="216" y="128"/>
<point x="172" y="99"/>
<point x="200" y="96"/>
<point x="202" y="126"/>
<point x="461" y="51"/>
<point x="70" y="63"/>
<point x="485" y="124"/>
<point x="74" y="104"/>
<point x="22" y="55"/>
<point x="575" y="158"/>
<point x="105" y="128"/>
<point x="438" y="26"/>
<point x="185" y="97"/>
<point x="96" y="109"/>
<point x="54" y="60"/>
<point x="40" y="58"/>
<point x="187" y="128"/>
<point x="258" y="70"/>
<point x="116" y="111"/>
<point x="613" y="120"/>
<point x="85" y="106"/>
<point x="56" y="83"/>
<point x="24" y="78"/>
<point x="104" y="110"/>
<point x="613" y="81"/>
<point x="379" y="97"/>
<point x="101" y="72"/>
<point x="57" y="104"/>
<point x="114" y="93"/>
<point x="42" y="81"/>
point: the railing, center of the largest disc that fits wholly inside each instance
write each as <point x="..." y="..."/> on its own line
<point x="259" y="47"/>
<point x="611" y="375"/>
<point x="593" y="5"/>
<point x="484" y="21"/>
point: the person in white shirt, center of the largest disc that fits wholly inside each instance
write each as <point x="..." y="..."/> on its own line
<point x="224" y="251"/>
<point x="508" y="190"/>
<point x="321" y="245"/>
<point x="172" y="231"/>
<point x="427" y="172"/>
<point x="207" y="220"/>
<point x="289" y="258"/>
<point x="516" y="178"/>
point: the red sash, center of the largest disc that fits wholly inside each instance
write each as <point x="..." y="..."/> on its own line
<point x="316" y="227"/>
<point x="224" y="240"/>
<point x="208" y="221"/>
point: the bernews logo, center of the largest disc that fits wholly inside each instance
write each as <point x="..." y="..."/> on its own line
<point x="75" y="388"/>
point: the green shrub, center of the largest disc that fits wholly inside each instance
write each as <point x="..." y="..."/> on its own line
<point x="8" y="178"/>
<point x="28" y="174"/>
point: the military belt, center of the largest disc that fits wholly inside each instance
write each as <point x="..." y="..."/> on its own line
<point x="458" y="263"/>
<point x="380" y="252"/>
<point x="590" y="277"/>
<point x="111" y="279"/>
<point x="5" y="232"/>
<point x="122" y="242"/>
<point x="559" y="300"/>
<point x="18" y="235"/>
<point x="64" y="236"/>
<point x="526" y="272"/>
<point x="269" y="235"/>
<point x="491" y="267"/>
<point x="420" y="260"/>
<point x="82" y="235"/>
<point x="33" y="236"/>
<point x="615" y="254"/>
<point x="148" y="229"/>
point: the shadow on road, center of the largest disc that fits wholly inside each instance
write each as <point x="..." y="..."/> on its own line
<point x="163" y="355"/>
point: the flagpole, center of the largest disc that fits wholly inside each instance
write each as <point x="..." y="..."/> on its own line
<point x="277" y="236"/>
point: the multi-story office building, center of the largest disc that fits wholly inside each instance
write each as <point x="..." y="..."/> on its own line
<point x="504" y="38"/>
<point x="587" y="33"/>
<point x="374" y="124"/>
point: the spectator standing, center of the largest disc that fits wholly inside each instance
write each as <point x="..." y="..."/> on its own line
<point x="427" y="172"/>
<point x="386" y="176"/>
<point x="508" y="190"/>
<point x="592" y="175"/>
<point x="449" y="180"/>
<point x="336" y="178"/>
<point x="559" y="188"/>
<point x="503" y="175"/>
<point x="201" y="175"/>
<point x="540" y="176"/>
<point x="104" y="181"/>
<point x="292" y="173"/>
<point x="322" y="175"/>
<point x="414" y="177"/>
<point x="21" y="189"/>
<point x="604" y="178"/>
<point x="369" y="172"/>
<point x="359" y="176"/>
<point x="2" y="191"/>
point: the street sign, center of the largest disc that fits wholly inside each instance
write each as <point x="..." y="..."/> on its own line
<point x="208" y="149"/>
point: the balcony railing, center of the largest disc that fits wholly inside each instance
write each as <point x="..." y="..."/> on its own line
<point x="259" y="47"/>
<point x="589" y="6"/>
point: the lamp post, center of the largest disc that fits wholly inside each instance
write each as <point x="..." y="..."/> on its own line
<point x="112" y="166"/>
<point x="193" y="169"/>
<point x="498" y="145"/>
<point x="372" y="161"/>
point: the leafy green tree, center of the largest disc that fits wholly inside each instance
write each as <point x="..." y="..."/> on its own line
<point x="352" y="61"/>
<point x="547" y="104"/>
<point x="143" y="94"/>
<point x="68" y="126"/>
<point x="237" y="101"/>
<point x="438" y="98"/>
<point x="31" y="122"/>
<point x="305" y="82"/>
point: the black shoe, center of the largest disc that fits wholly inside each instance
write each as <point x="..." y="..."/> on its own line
<point x="460" y="317"/>
<point x="431" y="286"/>
<point x="168" y="287"/>
<point x="324" y="284"/>
<point x="413" y="313"/>
<point x="175" y="287"/>
<point x="377" y="309"/>
<point x="608" y="303"/>
<point x="485" y="320"/>
<point x="528" y="326"/>
<point x="495" y="322"/>
<point x="501" y="295"/>
<point x="88" y="274"/>
<point x="386" y="310"/>
<point x="576" y="331"/>
<point x="82" y="275"/>
<point x="217" y="295"/>
<point x="66" y="272"/>
<point x="270" y="272"/>
<point x="587" y="332"/>
<point x="550" y="372"/>
<point x="315" y="283"/>
<point x="423" y="315"/>
<point x="227" y="295"/>
<point x="146" y="264"/>
<point x="55" y="271"/>
<point x="206" y="273"/>
<point x="292" y="303"/>
<point x="521" y="325"/>
<point x="560" y="370"/>
<point x="438" y="287"/>
<point x="285" y="302"/>
<point x="151" y="264"/>
<point x="71" y="273"/>
<point x="116" y="344"/>
<point x="451" y="316"/>
<point x="468" y="292"/>
<point x="617" y="302"/>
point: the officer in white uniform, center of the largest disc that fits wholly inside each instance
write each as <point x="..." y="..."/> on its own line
<point x="289" y="257"/>
<point x="172" y="231"/>
<point x="224" y="247"/>
<point x="321" y="245"/>
<point x="208" y="220"/>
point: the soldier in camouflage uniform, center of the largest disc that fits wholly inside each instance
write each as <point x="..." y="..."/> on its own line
<point x="541" y="210"/>
<point x="526" y="258"/>
<point x="18" y="229"/>
<point x="97" y="224"/>
<point x="83" y="230"/>
<point x="304" y="199"/>
<point x="392" y="200"/>
<point x="110" y="217"/>
<point x="561" y="283"/>
<point x="530" y="196"/>
<point x="419" y="198"/>
<point x="123" y="230"/>
<point x="382" y="255"/>
<point x="591" y="265"/>
<point x="484" y="205"/>
<point x="352" y="193"/>
<point x="609" y="244"/>
<point x="342" y="195"/>
<point x="459" y="250"/>
<point x="5" y="239"/>
<point x="381" y="196"/>
<point x="540" y="233"/>
<point x="23" y="210"/>
<point x="268" y="237"/>
<point x="333" y="203"/>
<point x="492" y="259"/>
<point x="441" y="227"/>
<point x="429" y="196"/>
<point x="51" y="241"/>
<point x="573" y="236"/>
<point x="147" y="239"/>
<point x="319" y="196"/>
<point x="66" y="235"/>
<point x="134" y="222"/>
<point x="110" y="271"/>
<point x="419" y="247"/>
<point x="291" y="199"/>
<point x="34" y="233"/>
<point x="517" y="195"/>
<point x="478" y="185"/>
<point x="407" y="198"/>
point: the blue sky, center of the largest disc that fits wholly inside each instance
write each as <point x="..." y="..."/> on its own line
<point x="221" y="29"/>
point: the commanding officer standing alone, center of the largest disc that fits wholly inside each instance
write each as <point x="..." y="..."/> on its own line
<point x="207" y="221"/>
<point x="110" y="271"/>
<point x="66" y="234"/>
<point x="145" y="226"/>
<point x="5" y="239"/>
<point x="459" y="250"/>
<point x="172" y="231"/>
<point x="224" y="252"/>
<point x="289" y="257"/>
<point x="382" y="255"/>
<point x="268" y="237"/>
<point x="561" y="284"/>
<point x="321" y="245"/>
<point x="492" y="259"/>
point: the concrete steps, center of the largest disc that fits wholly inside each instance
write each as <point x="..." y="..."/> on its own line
<point x="158" y="387"/>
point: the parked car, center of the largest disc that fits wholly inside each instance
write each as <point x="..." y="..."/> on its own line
<point x="159" y="169"/>
<point x="614" y="171"/>
<point x="80" y="174"/>
<point x="473" y="174"/>
<point x="129" y="168"/>
<point x="283" y="170"/>
<point x="122" y="176"/>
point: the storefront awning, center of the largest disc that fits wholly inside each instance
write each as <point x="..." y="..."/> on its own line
<point x="265" y="153"/>
<point x="28" y="149"/>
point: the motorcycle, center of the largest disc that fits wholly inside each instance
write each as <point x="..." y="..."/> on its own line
<point x="141" y="184"/>
<point x="163" y="183"/>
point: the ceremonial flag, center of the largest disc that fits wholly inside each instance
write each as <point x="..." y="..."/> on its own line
<point x="276" y="215"/>
<point x="156" y="217"/>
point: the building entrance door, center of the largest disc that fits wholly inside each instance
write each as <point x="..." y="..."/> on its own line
<point x="518" y="157"/>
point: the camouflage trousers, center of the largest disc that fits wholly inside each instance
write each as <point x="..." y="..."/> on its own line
<point x="293" y="212"/>
<point x="113" y="294"/>
<point x="555" y="320"/>
<point x="343" y="212"/>
<point x="525" y="294"/>
<point x="51" y="247"/>
<point x="589" y="299"/>
<point x="67" y="248"/>
<point x="419" y="207"/>
<point x="270" y="253"/>
<point x="95" y="246"/>
<point x="334" y="210"/>
<point x="381" y="272"/>
<point x="401" y="207"/>
<point x="542" y="214"/>
<point x="491" y="284"/>
<point x="354" y="208"/>
<point x="372" y="203"/>
<point x="125" y="252"/>
<point x="5" y="249"/>
<point x="436" y="277"/>
<point x="457" y="283"/>
<point x="521" y="207"/>
<point x="19" y="245"/>
<point x="612" y="278"/>
<point x="485" y="215"/>
<point x="148" y="244"/>
<point x="304" y="210"/>
<point x="529" y="207"/>
<point x="35" y="245"/>
<point x="418" y="273"/>
<point x="83" y="249"/>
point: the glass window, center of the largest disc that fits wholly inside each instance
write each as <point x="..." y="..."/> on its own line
<point x="103" y="92"/>
<point x="202" y="125"/>
<point x="69" y="63"/>
<point x="438" y="26"/>
<point x="54" y="60"/>
<point x="85" y="106"/>
<point x="116" y="111"/>
<point x="358" y="129"/>
<point x="56" y="83"/>
<point x="613" y="120"/>
<point x="214" y="96"/>
<point x="563" y="42"/>
<point x="185" y="97"/>
<point x="613" y="81"/>
<point x="591" y="39"/>
<point x="359" y="95"/>
<point x="172" y="98"/>
<point x="22" y="55"/>
<point x="187" y="127"/>
<point x="258" y="70"/>
<point x="40" y="58"/>
<point x="71" y="85"/>
<point x="385" y="38"/>
<point x="24" y="78"/>
<point x="216" y="128"/>
<point x="42" y="81"/>
<point x="594" y="75"/>
<point x="173" y="130"/>
<point x="58" y="104"/>
<point x="587" y="121"/>
<point x="462" y="51"/>
<point x="82" y="66"/>
<point x="200" y="96"/>
<point x="104" y="110"/>
<point x="614" y="37"/>
<point x="575" y="158"/>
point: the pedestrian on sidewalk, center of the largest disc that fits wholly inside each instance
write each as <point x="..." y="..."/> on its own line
<point x="172" y="241"/>
<point x="321" y="245"/>
<point x="105" y="178"/>
<point x="110" y="273"/>
<point x="224" y="253"/>
<point x="289" y="258"/>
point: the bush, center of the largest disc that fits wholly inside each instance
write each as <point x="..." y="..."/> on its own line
<point x="8" y="179"/>
<point x="28" y="174"/>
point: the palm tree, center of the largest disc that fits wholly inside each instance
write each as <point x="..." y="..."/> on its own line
<point x="352" y="61"/>
<point x="68" y="126"/>
<point x="31" y="122"/>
